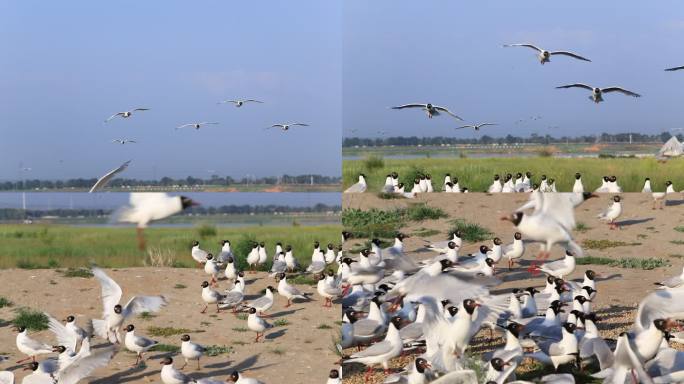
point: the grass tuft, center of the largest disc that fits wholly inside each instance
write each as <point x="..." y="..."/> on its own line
<point x="170" y="331"/>
<point x="5" y="302"/>
<point x="78" y="272"/>
<point x="629" y="262"/>
<point x="206" y="230"/>
<point x="372" y="163"/>
<point x="324" y="326"/>
<point x="31" y="319"/>
<point x="679" y="228"/>
<point x="605" y="244"/>
<point x="281" y="323"/>
<point x="180" y="286"/>
<point x="470" y="232"/>
<point x="216" y="350"/>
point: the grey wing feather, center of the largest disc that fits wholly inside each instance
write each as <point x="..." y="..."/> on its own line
<point x="85" y="366"/>
<point x="102" y="181"/>
<point x="566" y="53"/>
<point x="64" y="337"/>
<point x="376" y="349"/>
<point x="144" y="342"/>
<point x="140" y="304"/>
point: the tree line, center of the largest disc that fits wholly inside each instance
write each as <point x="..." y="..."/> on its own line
<point x="534" y="138"/>
<point x="19" y="214"/>
<point x="85" y="183"/>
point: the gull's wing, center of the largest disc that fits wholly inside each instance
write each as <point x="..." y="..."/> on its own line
<point x="291" y="289"/>
<point x="185" y="125"/>
<point x="208" y="122"/>
<point x="64" y="337"/>
<point x="6" y="377"/>
<point x="140" y="304"/>
<point x="443" y="109"/>
<point x="131" y="141"/>
<point x="412" y="105"/>
<point x="486" y="124"/>
<point x="465" y="376"/>
<point x="621" y="90"/>
<point x="559" y="206"/>
<point x="260" y="302"/>
<point x="660" y="304"/>
<point x="111" y="291"/>
<point x="210" y="381"/>
<point x="376" y="349"/>
<point x="566" y="53"/>
<point x="524" y="45"/>
<point x="465" y="126"/>
<point x="113" y="116"/>
<point x="576" y="85"/>
<point x="442" y="286"/>
<point x="253" y="101"/>
<point x="102" y="181"/>
<point x="82" y="368"/>
<point x="277" y="126"/>
<point x="144" y="342"/>
<point x="141" y="109"/>
<point x="675" y="68"/>
<point x="300" y="124"/>
<point x="36" y="345"/>
<point x="116" y="141"/>
<point x="356" y="188"/>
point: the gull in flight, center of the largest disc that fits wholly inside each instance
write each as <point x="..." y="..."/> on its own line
<point x="545" y="56"/>
<point x="102" y="181"/>
<point x="240" y="103"/>
<point x="430" y="109"/>
<point x="126" y="114"/>
<point x="475" y="126"/>
<point x="287" y="126"/>
<point x="597" y="93"/>
<point x="123" y="141"/>
<point x="675" y="68"/>
<point x="197" y="125"/>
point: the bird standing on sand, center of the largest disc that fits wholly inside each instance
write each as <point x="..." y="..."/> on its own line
<point x="612" y="213"/>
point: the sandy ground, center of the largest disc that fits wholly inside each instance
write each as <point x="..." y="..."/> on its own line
<point x="299" y="352"/>
<point x="619" y="292"/>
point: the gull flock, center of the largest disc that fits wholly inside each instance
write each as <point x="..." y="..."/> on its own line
<point x="433" y="312"/>
<point x="75" y="351"/>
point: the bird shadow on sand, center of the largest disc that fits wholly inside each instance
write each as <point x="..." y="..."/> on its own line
<point x="224" y="368"/>
<point x="250" y="297"/>
<point x="286" y="313"/>
<point x="625" y="223"/>
<point x="673" y="203"/>
<point x="131" y="374"/>
<point x="276" y="334"/>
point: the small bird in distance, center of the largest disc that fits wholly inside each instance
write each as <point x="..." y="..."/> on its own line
<point x="123" y="141"/>
<point x="545" y="56"/>
<point x="430" y="109"/>
<point x="197" y="125"/>
<point x="475" y="126"/>
<point x="597" y="93"/>
<point x="240" y="103"/>
<point x="286" y="126"/>
<point x="126" y="114"/>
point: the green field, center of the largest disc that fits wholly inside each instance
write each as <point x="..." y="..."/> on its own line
<point x="56" y="246"/>
<point x="476" y="174"/>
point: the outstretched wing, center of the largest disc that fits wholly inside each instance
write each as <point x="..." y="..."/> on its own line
<point x="621" y="90"/>
<point x="140" y="304"/>
<point x="566" y="53"/>
<point x="524" y="45"/>
<point x="114" y="115"/>
<point x="111" y="291"/>
<point x="675" y="68"/>
<point x="64" y="337"/>
<point x="412" y="105"/>
<point x="141" y="109"/>
<point x="102" y="181"/>
<point x="82" y="368"/>
<point x="576" y="85"/>
<point x="443" y="109"/>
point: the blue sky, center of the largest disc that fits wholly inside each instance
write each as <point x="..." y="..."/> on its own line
<point x="67" y="66"/>
<point x="450" y="53"/>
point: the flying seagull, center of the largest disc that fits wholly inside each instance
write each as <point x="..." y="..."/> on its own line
<point x="197" y="125"/>
<point x="240" y="103"/>
<point x="123" y="141"/>
<point x="675" y="68"/>
<point x="102" y="181"/>
<point x="475" y="126"/>
<point x="545" y="56"/>
<point x="287" y="126"/>
<point x="430" y="109"/>
<point x="126" y="114"/>
<point x="596" y="93"/>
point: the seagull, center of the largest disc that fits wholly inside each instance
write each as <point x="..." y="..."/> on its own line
<point x="286" y="126"/>
<point x="104" y="180"/>
<point x="578" y="187"/>
<point x="225" y="253"/>
<point x="257" y="324"/>
<point x="416" y="375"/>
<point x="68" y="335"/>
<point x="123" y="141"/>
<point x="150" y="206"/>
<point x="191" y="351"/>
<point x="198" y="254"/>
<point x="327" y="291"/>
<point x="263" y="303"/>
<point x="475" y="126"/>
<point x="29" y="346"/>
<point x="380" y="352"/>
<point x="240" y="103"/>
<point x="237" y="378"/>
<point x="170" y="375"/>
<point x="647" y="186"/>
<point x="359" y="187"/>
<point x="197" y="125"/>
<point x="288" y="291"/>
<point x="126" y="114"/>
<point x="430" y="109"/>
<point x="515" y="250"/>
<point x="211" y="296"/>
<point x="560" y="268"/>
<point x="659" y="198"/>
<point x="545" y="56"/>
<point x="137" y="344"/>
<point x="597" y="93"/>
<point x="114" y="314"/>
<point x="83" y="364"/>
<point x="612" y="213"/>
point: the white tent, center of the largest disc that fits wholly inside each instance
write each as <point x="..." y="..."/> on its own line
<point x="672" y="148"/>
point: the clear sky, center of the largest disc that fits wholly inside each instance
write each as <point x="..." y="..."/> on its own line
<point x="450" y="53"/>
<point x="67" y="66"/>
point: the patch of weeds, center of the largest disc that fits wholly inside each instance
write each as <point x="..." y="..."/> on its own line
<point x="424" y="232"/>
<point x="205" y="323"/>
<point x="240" y="329"/>
<point x="28" y="264"/>
<point x="180" y="286"/>
<point x="373" y="162"/>
<point x="31" y="319"/>
<point x="216" y="350"/>
<point x="629" y="262"/>
<point x="679" y="228"/>
<point x="5" y="302"/>
<point x="324" y="326"/>
<point x="180" y="264"/>
<point x="390" y="195"/>
<point x="238" y="342"/>
<point x="372" y="223"/>
<point x="469" y="231"/>
<point x="676" y="255"/>
<point x="581" y="227"/>
<point x="278" y="351"/>
<point x="642" y="236"/>
<point x="165" y="348"/>
<point x="206" y="230"/>
<point x="650" y="228"/>
<point x="241" y="316"/>
<point x="147" y="316"/>
<point x="78" y="272"/>
<point x="605" y="244"/>
<point x="420" y="212"/>
<point x="53" y="263"/>
<point x="280" y="323"/>
<point x="168" y="331"/>
<point x="52" y="282"/>
<point x="678" y="242"/>
<point x="302" y="279"/>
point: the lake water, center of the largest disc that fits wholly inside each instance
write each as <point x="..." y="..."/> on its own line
<point x="112" y="200"/>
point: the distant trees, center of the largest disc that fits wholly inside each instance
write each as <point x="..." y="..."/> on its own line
<point x="189" y="181"/>
<point x="534" y="138"/>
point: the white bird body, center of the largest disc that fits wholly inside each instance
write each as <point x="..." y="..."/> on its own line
<point x="31" y="347"/>
<point x="578" y="187"/>
<point x="647" y="186"/>
<point x="359" y="187"/>
<point x="544" y="56"/>
<point x="597" y="93"/>
<point x="170" y="375"/>
<point x="381" y="352"/>
<point x="150" y="206"/>
<point x="496" y="186"/>
<point x="126" y="114"/>
<point x="560" y="268"/>
<point x="138" y="344"/>
<point x="612" y="213"/>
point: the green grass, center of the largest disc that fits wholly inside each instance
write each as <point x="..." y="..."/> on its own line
<point x="424" y="232"/>
<point x="36" y="246"/>
<point x="240" y="329"/>
<point x="216" y="350"/>
<point x="165" y="348"/>
<point x="678" y="242"/>
<point x="5" y="302"/>
<point x="278" y="351"/>
<point x="373" y="162"/>
<point x="302" y="280"/>
<point x="581" y="227"/>
<point x="604" y="244"/>
<point x="78" y="272"/>
<point x="469" y="231"/>
<point x="386" y="223"/>
<point x="629" y="262"/>
<point x="31" y="319"/>
<point x="241" y="316"/>
<point x="679" y="228"/>
<point x="169" y="331"/>
<point x="477" y="173"/>
<point x="180" y="286"/>
<point x="324" y="326"/>
<point x="147" y="316"/>
<point x="206" y="230"/>
<point x="281" y="323"/>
